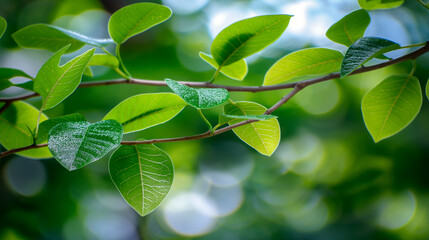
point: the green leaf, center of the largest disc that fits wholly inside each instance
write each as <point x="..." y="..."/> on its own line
<point x="104" y="60"/>
<point x="263" y="136"/>
<point x="46" y="126"/>
<point x="76" y="144"/>
<point x="427" y="89"/>
<point x="391" y="105"/>
<point x="3" y="26"/>
<point x="55" y="83"/>
<point x="246" y="37"/>
<point x="26" y="85"/>
<point x="15" y="123"/>
<point x="146" y="110"/>
<point x="5" y="84"/>
<point x="53" y="38"/>
<point x="364" y="50"/>
<point x="88" y="72"/>
<point x="237" y="70"/>
<point x="136" y="18"/>
<point x="199" y="98"/>
<point x="304" y="62"/>
<point x="8" y="73"/>
<point x="349" y="28"/>
<point x="380" y="4"/>
<point x="225" y="118"/>
<point x="143" y="174"/>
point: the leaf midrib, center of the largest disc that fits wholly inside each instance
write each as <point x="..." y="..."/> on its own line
<point x="141" y="176"/>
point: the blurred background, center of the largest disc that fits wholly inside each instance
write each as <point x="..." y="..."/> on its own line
<point x="327" y="179"/>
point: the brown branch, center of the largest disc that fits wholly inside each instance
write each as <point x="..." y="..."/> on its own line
<point x="12" y="151"/>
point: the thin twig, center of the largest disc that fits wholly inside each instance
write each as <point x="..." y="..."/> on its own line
<point x="12" y="151"/>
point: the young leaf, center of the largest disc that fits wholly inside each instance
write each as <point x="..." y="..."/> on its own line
<point x="146" y="110"/>
<point x="304" y="62"/>
<point x="143" y="175"/>
<point x="199" y="98"/>
<point x="104" y="60"/>
<point x="76" y="144"/>
<point x="380" y="4"/>
<point x="3" y="26"/>
<point x="88" y="72"/>
<point x="263" y="136"/>
<point x="46" y="126"/>
<point x="391" y="105"/>
<point x="55" y="83"/>
<point x="349" y="28"/>
<point x="237" y="70"/>
<point x="15" y="123"/>
<point x="225" y="118"/>
<point x="136" y="18"/>
<point x="364" y="50"/>
<point x="246" y="37"/>
<point x="53" y="38"/>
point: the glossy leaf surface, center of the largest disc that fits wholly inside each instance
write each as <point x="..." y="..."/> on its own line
<point x="237" y="70"/>
<point x="380" y="4"/>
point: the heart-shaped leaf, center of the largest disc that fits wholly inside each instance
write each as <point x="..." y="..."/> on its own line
<point x="349" y="28"/>
<point x="364" y="50"/>
<point x="76" y="144"/>
<point x="55" y="83"/>
<point x="46" y="126"/>
<point x="391" y="105"/>
<point x="380" y="4"/>
<point x="237" y="70"/>
<point x="225" y="118"/>
<point x="146" y="110"/>
<point x="304" y="62"/>
<point x="143" y="174"/>
<point x="53" y="38"/>
<point x="104" y="60"/>
<point x="246" y="37"/>
<point x="3" y="26"/>
<point x="136" y="18"/>
<point x="264" y="136"/>
<point x="199" y="98"/>
<point x="8" y="73"/>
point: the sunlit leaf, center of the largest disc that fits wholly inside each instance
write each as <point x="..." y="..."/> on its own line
<point x="364" y="50"/>
<point x="15" y="124"/>
<point x="88" y="72"/>
<point x="349" y="28"/>
<point x="225" y="118"/>
<point x="3" y="26"/>
<point x="146" y="110"/>
<point x="264" y="136"/>
<point x="201" y="97"/>
<point x="76" y="144"/>
<point x="380" y="4"/>
<point x="246" y="37"/>
<point x="46" y="126"/>
<point x="237" y="70"/>
<point x="136" y="18"/>
<point x="104" y="60"/>
<point x="55" y="83"/>
<point x="143" y="174"/>
<point x="304" y="62"/>
<point x="391" y="105"/>
<point x="53" y="38"/>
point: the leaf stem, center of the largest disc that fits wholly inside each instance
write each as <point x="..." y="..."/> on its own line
<point x="215" y="75"/>
<point x="413" y="45"/>
<point x="413" y="70"/>
<point x="118" y="55"/>
<point x="205" y="119"/>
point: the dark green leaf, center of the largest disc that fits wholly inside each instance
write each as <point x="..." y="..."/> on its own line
<point x="237" y="70"/>
<point x="364" y="50"/>
<point x="427" y="89"/>
<point x="9" y="73"/>
<point x="391" y="105"/>
<point x="26" y="85"/>
<point x="350" y="28"/>
<point x="136" y="18"/>
<point x="199" y="98"/>
<point x="146" y="110"/>
<point x="46" y="126"/>
<point x="225" y="118"/>
<point x="380" y="4"/>
<point x="3" y="26"/>
<point x="246" y="37"/>
<point x="76" y="144"/>
<point x="143" y="174"/>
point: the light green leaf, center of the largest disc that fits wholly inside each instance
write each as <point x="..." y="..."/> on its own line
<point x="88" y="72"/>
<point x="8" y="73"/>
<point x="76" y="144"/>
<point x="46" y="126"/>
<point x="380" y="4"/>
<point x="427" y="89"/>
<point x="146" y="110"/>
<point x="349" y="28"/>
<point x="225" y="118"/>
<point x="104" y="60"/>
<point x="304" y="62"/>
<point x="237" y="70"/>
<point x="263" y="136"/>
<point x="53" y="38"/>
<point x="364" y="50"/>
<point x="55" y="83"/>
<point x="3" y="26"/>
<point x="136" y="18"/>
<point x="391" y="105"/>
<point x="15" y="123"/>
<point x="143" y="174"/>
<point x="199" y="98"/>
<point x="246" y="37"/>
